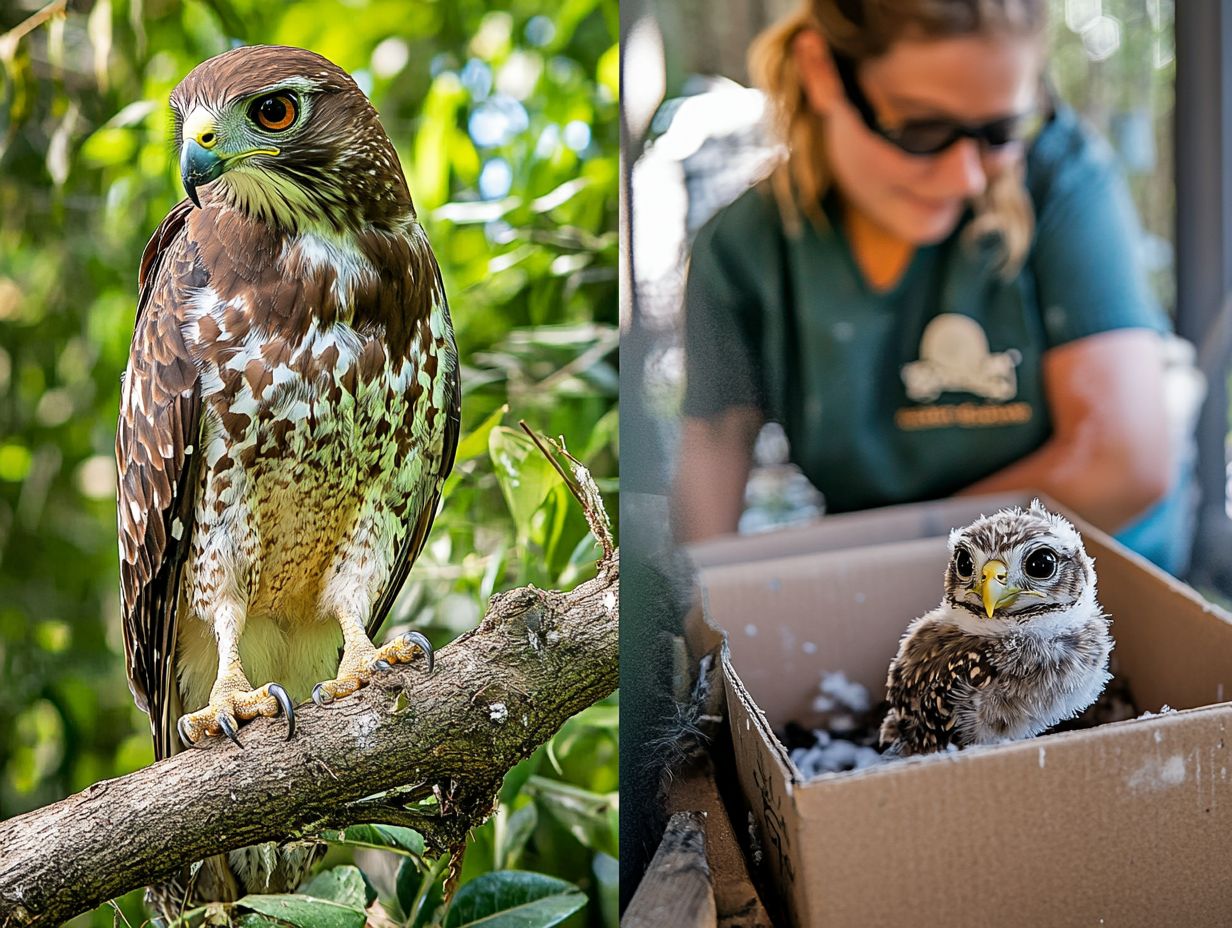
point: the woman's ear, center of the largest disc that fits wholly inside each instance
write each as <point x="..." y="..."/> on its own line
<point x="816" y="70"/>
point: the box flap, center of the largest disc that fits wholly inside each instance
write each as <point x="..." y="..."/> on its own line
<point x="854" y="529"/>
<point x="1172" y="645"/>
<point x="790" y="620"/>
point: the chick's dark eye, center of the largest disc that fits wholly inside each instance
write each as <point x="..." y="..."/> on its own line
<point x="1041" y="564"/>
<point x="275" y="112"/>
<point x="964" y="564"/>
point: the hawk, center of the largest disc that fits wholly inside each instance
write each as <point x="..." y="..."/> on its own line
<point x="1018" y="643"/>
<point x="288" y="416"/>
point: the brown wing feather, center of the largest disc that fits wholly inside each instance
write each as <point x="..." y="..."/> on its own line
<point x="156" y="445"/>
<point x="417" y="537"/>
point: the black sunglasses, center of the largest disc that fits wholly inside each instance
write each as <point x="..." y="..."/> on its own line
<point x="932" y="136"/>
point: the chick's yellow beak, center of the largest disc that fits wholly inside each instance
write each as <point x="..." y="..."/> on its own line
<point x="993" y="589"/>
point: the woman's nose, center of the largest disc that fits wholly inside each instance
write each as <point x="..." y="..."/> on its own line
<point x="961" y="169"/>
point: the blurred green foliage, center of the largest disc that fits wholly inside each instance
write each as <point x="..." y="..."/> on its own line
<point x="504" y="113"/>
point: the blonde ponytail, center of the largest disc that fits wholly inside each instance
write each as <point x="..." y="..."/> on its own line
<point x="800" y="181"/>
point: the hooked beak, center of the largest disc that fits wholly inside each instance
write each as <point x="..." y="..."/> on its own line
<point x="201" y="161"/>
<point x="198" y="166"/>
<point x="993" y="589"/>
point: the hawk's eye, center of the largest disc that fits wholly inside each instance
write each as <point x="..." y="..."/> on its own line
<point x="275" y="112"/>
<point x="964" y="564"/>
<point x="1040" y="564"/>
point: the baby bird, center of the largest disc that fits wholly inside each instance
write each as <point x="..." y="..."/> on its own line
<point x="1018" y="643"/>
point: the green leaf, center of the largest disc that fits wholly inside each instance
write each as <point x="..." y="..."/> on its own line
<point x="370" y="893"/>
<point x="550" y="520"/>
<point x="604" y="715"/>
<point x="516" y="778"/>
<point x="407" y="885"/>
<point x="476" y="443"/>
<point x="420" y="892"/>
<point x="567" y="17"/>
<point x="514" y="899"/>
<point x="513" y="831"/>
<point x="607" y="874"/>
<point x="586" y="815"/>
<point x="382" y="837"/>
<point x="608" y="71"/>
<point x="493" y="572"/>
<point x="191" y="917"/>
<point x="109" y="146"/>
<point x="305" y="911"/>
<point x="605" y="432"/>
<point x="344" y="885"/>
<point x="524" y="475"/>
<point x="437" y="140"/>
<point x="252" y="920"/>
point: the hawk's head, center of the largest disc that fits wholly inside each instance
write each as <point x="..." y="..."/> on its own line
<point x="286" y="137"/>
<point x="1020" y="565"/>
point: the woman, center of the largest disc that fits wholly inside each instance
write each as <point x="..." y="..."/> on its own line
<point x="935" y="292"/>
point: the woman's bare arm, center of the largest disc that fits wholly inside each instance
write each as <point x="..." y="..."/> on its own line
<point x="715" y="458"/>
<point x="1109" y="457"/>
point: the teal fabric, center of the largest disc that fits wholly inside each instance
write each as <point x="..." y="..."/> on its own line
<point x="915" y="393"/>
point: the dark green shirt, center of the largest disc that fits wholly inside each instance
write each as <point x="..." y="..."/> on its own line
<point x="916" y="392"/>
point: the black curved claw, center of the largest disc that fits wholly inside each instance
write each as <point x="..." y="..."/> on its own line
<point x="425" y="645"/>
<point x="320" y="697"/>
<point x="381" y="666"/>
<point x="179" y="726"/>
<point x="228" y="729"/>
<point x="284" y="701"/>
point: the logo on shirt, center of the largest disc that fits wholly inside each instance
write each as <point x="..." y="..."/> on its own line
<point x="954" y="355"/>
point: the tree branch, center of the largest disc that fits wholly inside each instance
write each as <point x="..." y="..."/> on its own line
<point x="32" y="22"/>
<point x="498" y="692"/>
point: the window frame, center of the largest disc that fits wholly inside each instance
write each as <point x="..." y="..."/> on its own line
<point x="1203" y="164"/>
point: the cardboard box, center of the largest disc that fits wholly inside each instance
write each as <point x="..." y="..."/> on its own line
<point x="856" y="529"/>
<point x="1125" y="824"/>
